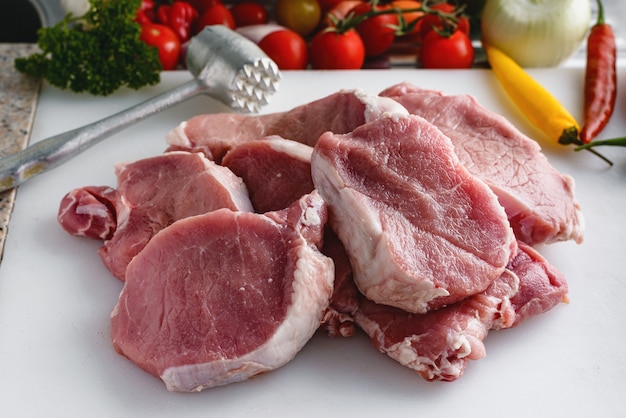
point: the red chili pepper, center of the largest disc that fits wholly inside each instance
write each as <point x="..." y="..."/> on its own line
<point x="179" y="16"/>
<point x="600" y="78"/>
<point x="145" y="14"/>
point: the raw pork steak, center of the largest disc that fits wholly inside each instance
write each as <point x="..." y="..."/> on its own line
<point x="152" y="193"/>
<point x="338" y="320"/>
<point x="439" y="344"/>
<point x="276" y="171"/>
<point x="420" y="230"/>
<point x="220" y="297"/>
<point x="341" y="112"/>
<point x="90" y="212"/>
<point x="542" y="286"/>
<point x="539" y="201"/>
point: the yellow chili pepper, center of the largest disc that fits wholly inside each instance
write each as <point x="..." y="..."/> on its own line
<point x="535" y="102"/>
<point x="539" y="105"/>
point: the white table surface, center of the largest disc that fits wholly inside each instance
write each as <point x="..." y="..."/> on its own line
<point x="56" y="359"/>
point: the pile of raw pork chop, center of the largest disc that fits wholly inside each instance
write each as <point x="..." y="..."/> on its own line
<point x="411" y="215"/>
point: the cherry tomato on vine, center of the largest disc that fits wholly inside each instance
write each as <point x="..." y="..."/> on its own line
<point x="330" y="50"/>
<point x="249" y="13"/>
<point x="410" y="17"/>
<point x="429" y="21"/>
<point x="301" y="16"/>
<point x="439" y="51"/>
<point x="165" y="40"/>
<point x="215" y="15"/>
<point x="376" y="32"/>
<point x="340" y="11"/>
<point x="286" y="48"/>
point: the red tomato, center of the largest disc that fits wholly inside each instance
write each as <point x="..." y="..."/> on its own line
<point x="249" y="13"/>
<point x="215" y="15"/>
<point x="409" y="17"/>
<point x="165" y="40"/>
<point x="202" y="5"/>
<point x="331" y="50"/>
<point x="287" y="48"/>
<point x="340" y="10"/>
<point x="376" y="32"/>
<point x="439" y="51"/>
<point x="327" y="5"/>
<point x="426" y="24"/>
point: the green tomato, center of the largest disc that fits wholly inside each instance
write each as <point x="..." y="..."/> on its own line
<point x="301" y="16"/>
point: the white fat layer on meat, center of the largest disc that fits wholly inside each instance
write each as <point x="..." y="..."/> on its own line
<point x="377" y="107"/>
<point x="376" y="275"/>
<point x="231" y="182"/>
<point x="311" y="217"/>
<point x="404" y="353"/>
<point x="94" y="210"/>
<point x="294" y="149"/>
<point x="311" y="214"/>
<point x="177" y="136"/>
<point x="575" y="229"/>
<point x="405" y="290"/>
<point x="312" y="288"/>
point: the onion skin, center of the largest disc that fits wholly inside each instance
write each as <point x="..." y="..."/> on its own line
<point x="536" y="33"/>
<point x="75" y="7"/>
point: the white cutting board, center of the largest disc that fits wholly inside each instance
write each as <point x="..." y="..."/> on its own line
<point x="55" y="296"/>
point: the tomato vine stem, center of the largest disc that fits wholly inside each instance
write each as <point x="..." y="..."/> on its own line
<point x="449" y="20"/>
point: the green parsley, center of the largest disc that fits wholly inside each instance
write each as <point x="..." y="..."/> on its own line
<point x="96" y="53"/>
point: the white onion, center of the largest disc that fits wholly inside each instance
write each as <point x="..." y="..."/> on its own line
<point x="75" y="7"/>
<point x="536" y="33"/>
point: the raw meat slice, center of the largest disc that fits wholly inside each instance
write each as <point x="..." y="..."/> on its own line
<point x="421" y="231"/>
<point x="90" y="212"/>
<point x="539" y="201"/>
<point x="152" y="193"/>
<point x="403" y="88"/>
<point x="276" y="171"/>
<point x="439" y="344"/>
<point x="220" y="297"/>
<point x="341" y="112"/>
<point x="542" y="286"/>
<point x="338" y="320"/>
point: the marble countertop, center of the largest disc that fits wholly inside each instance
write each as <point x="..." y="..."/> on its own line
<point x="18" y="103"/>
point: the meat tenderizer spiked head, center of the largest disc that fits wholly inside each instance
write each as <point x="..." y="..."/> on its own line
<point x="234" y="69"/>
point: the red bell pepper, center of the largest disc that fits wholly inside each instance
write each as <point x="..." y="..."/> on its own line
<point x="179" y="16"/>
<point x="145" y="14"/>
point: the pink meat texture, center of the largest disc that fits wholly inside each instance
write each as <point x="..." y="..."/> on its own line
<point x="90" y="212"/>
<point x="276" y="171"/>
<point x="338" y="319"/>
<point x="542" y="285"/>
<point x="438" y="345"/>
<point x="341" y="112"/>
<point x="410" y="215"/>
<point x="151" y="194"/>
<point x="220" y="297"/>
<point x="539" y="200"/>
<point x="421" y="231"/>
